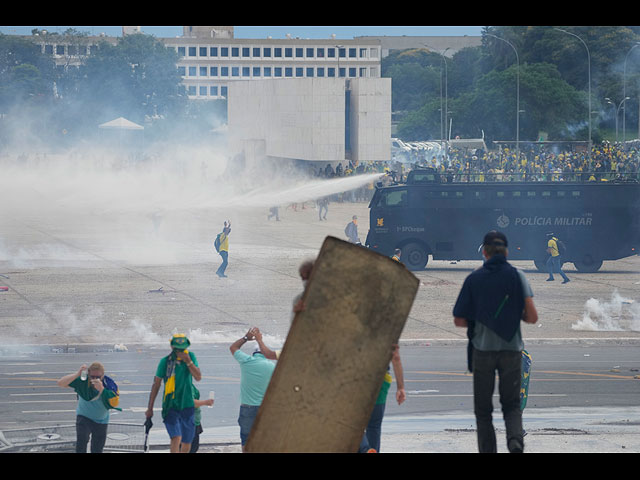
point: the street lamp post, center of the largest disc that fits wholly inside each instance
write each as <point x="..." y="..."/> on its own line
<point x="445" y="110"/>
<point x="517" y="94"/>
<point x="589" y="65"/>
<point x="624" y="94"/>
<point x="617" y="110"/>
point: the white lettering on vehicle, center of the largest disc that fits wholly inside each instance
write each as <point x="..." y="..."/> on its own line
<point x="556" y="221"/>
<point x="409" y="229"/>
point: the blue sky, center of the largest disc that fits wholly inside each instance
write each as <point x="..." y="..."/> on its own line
<point x="314" y="31"/>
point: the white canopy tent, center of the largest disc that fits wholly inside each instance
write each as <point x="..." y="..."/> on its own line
<point x="121" y="123"/>
<point x="127" y="134"/>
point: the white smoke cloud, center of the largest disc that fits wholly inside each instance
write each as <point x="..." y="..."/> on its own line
<point x="616" y="315"/>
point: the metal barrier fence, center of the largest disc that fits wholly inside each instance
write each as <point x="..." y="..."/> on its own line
<point x="521" y="177"/>
<point x="121" y="437"/>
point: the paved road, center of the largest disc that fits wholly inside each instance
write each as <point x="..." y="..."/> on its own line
<point x="111" y="277"/>
<point x="565" y="382"/>
<point x="85" y="276"/>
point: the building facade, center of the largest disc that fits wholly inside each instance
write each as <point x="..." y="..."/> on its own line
<point x="211" y="60"/>
<point x="324" y="120"/>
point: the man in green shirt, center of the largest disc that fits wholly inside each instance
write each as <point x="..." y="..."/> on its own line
<point x="178" y="370"/>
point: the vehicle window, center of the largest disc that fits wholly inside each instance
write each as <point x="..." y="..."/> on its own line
<point x="515" y="194"/>
<point x="422" y="177"/>
<point x="393" y="198"/>
<point x="575" y="193"/>
<point x="546" y="194"/>
<point x="500" y="194"/>
<point x="531" y="194"/>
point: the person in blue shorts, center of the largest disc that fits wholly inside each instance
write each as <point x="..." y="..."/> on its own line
<point x="178" y="370"/>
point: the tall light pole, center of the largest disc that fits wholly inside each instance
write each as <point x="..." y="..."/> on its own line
<point x="443" y="111"/>
<point x="624" y="94"/>
<point x="517" y="94"/>
<point x="589" y="65"/>
<point x="617" y="110"/>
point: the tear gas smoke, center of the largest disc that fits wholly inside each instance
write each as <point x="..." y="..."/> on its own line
<point x="127" y="204"/>
<point x="618" y="314"/>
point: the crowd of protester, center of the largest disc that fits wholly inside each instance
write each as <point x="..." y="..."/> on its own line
<point x="532" y="163"/>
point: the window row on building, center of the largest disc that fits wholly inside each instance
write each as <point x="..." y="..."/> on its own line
<point x="279" y="52"/>
<point x="217" y="91"/>
<point x="274" y="71"/>
<point x="64" y="49"/>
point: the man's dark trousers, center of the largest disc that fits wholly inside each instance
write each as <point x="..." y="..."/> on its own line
<point x="508" y="364"/>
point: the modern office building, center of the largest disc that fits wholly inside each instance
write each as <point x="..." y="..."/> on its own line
<point x="447" y="45"/>
<point x="211" y="59"/>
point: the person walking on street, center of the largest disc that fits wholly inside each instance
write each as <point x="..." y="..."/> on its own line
<point x="373" y="431"/>
<point x="97" y="395"/>
<point x="351" y="230"/>
<point x="396" y="254"/>
<point x="323" y="206"/>
<point x="492" y="302"/>
<point x="197" y="403"/>
<point x="178" y="370"/>
<point x="255" y="375"/>
<point x="554" y="262"/>
<point x="273" y="212"/>
<point x="224" y="249"/>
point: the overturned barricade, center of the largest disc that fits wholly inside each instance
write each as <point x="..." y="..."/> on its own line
<point x="333" y="362"/>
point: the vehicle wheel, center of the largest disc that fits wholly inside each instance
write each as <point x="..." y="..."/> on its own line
<point x="414" y="256"/>
<point x="588" y="264"/>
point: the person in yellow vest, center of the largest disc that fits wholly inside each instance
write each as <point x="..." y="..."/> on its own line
<point x="554" y="262"/>
<point x="396" y="254"/>
<point x="224" y="249"/>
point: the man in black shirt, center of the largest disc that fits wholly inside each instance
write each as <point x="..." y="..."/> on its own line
<point x="491" y="303"/>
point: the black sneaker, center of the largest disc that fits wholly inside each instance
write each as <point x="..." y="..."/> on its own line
<point x="515" y="446"/>
<point x="550" y="279"/>
<point x="566" y="281"/>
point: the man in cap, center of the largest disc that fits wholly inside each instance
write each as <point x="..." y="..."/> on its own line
<point x="492" y="301"/>
<point x="554" y="262"/>
<point x="178" y="370"/>
<point x="224" y="249"/>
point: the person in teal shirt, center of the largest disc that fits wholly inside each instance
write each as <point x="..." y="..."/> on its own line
<point x="255" y="375"/>
<point x="94" y="403"/>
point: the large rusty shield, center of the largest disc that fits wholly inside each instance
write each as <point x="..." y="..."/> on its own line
<point x="336" y="354"/>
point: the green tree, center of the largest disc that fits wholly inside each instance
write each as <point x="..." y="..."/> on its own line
<point x="134" y="78"/>
<point x="24" y="72"/>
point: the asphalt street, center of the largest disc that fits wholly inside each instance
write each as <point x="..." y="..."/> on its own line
<point x="82" y="285"/>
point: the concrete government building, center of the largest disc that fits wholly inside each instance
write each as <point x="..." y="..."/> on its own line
<point x="320" y="100"/>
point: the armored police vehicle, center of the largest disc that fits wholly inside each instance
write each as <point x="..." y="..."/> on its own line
<point x="446" y="218"/>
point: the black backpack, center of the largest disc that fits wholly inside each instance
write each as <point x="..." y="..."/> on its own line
<point x="562" y="248"/>
<point x="216" y="242"/>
